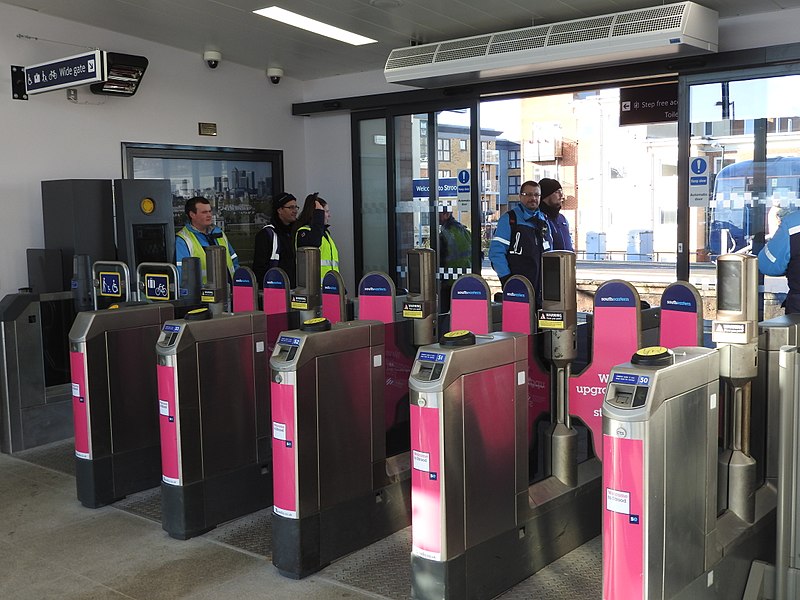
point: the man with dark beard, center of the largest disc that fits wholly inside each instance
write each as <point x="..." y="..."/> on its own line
<point x="550" y="205"/>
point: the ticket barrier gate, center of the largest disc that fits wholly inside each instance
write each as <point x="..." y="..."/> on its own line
<point x="659" y="473"/>
<point x="114" y="389"/>
<point x="478" y="528"/>
<point x="741" y="526"/>
<point x="35" y="394"/>
<point x="115" y="408"/>
<point x="336" y="490"/>
<point x="781" y="580"/>
<point x="213" y="396"/>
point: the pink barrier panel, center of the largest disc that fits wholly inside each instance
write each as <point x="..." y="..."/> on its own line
<point x="276" y="292"/>
<point x="167" y="409"/>
<point x="469" y="305"/>
<point x="681" y="316"/>
<point x="80" y="404"/>
<point x="469" y="315"/>
<point x="615" y="339"/>
<point x="331" y="308"/>
<point x="623" y="519"/>
<point x="426" y="493"/>
<point x="284" y="450"/>
<point x="243" y="299"/>
<point x="519" y="318"/>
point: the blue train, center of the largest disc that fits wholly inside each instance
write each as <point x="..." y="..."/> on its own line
<point x="731" y="227"/>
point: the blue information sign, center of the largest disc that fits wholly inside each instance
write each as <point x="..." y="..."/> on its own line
<point x="65" y="72"/>
<point x="110" y="285"/>
<point x="156" y="287"/>
<point x="447" y="188"/>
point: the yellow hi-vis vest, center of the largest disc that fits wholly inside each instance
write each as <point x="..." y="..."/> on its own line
<point x="197" y="249"/>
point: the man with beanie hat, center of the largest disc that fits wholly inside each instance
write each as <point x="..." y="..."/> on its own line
<point x="550" y="205"/>
<point x="275" y="243"/>
<point x="520" y="239"/>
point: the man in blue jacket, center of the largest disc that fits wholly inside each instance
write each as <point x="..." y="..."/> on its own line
<point x="550" y="204"/>
<point x="521" y="237"/>
<point x="200" y="232"/>
<point x="781" y="256"/>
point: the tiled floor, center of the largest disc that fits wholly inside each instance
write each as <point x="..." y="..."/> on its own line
<point x="52" y="547"/>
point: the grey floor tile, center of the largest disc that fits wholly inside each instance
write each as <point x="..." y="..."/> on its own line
<point x="66" y="587"/>
<point x="31" y="508"/>
<point x="265" y="583"/>
<point x="19" y="568"/>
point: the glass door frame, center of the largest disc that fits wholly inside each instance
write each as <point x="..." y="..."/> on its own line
<point x="389" y="114"/>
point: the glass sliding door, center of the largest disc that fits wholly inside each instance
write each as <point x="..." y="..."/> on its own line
<point x="374" y="194"/>
<point x="433" y="209"/>
<point x="747" y="134"/>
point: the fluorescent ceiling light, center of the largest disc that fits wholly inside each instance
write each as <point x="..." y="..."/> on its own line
<point x="290" y="18"/>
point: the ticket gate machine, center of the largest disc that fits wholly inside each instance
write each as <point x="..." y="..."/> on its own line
<point x="213" y="399"/>
<point x="741" y="526"/>
<point x="35" y="394"/>
<point x="478" y="527"/>
<point x="659" y="472"/>
<point x="336" y="490"/>
<point x="114" y="391"/>
<point x="114" y="395"/>
<point x="781" y="580"/>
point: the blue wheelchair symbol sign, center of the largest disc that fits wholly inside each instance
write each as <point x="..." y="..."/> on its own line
<point x="699" y="166"/>
<point x="463" y="176"/>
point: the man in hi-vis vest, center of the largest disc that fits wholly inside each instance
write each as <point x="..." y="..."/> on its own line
<point x="199" y="233"/>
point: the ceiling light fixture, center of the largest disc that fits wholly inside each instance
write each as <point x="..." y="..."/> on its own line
<point x="385" y="3"/>
<point x="295" y="20"/>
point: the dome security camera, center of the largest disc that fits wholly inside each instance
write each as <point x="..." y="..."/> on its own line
<point x="275" y="74"/>
<point x="212" y="58"/>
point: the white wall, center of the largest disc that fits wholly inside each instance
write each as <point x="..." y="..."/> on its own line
<point x="48" y="137"/>
<point x="329" y="155"/>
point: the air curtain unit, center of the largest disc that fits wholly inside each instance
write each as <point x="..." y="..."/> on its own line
<point x="670" y="30"/>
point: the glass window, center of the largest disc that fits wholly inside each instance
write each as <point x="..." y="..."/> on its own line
<point x="619" y="182"/>
<point x="742" y="130"/>
<point x="443" y="150"/>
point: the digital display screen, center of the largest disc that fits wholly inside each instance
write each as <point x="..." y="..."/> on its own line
<point x="551" y="279"/>
<point x="150" y="243"/>
<point x="729" y="282"/>
<point x="110" y="285"/>
<point x="414" y="283"/>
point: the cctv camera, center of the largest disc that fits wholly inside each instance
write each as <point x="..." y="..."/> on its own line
<point x="212" y="58"/>
<point x="275" y="74"/>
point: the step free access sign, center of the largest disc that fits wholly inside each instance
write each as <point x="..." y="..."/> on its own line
<point x="698" y="181"/>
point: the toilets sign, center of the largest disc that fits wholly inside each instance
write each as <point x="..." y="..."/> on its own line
<point x="698" y="181"/>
